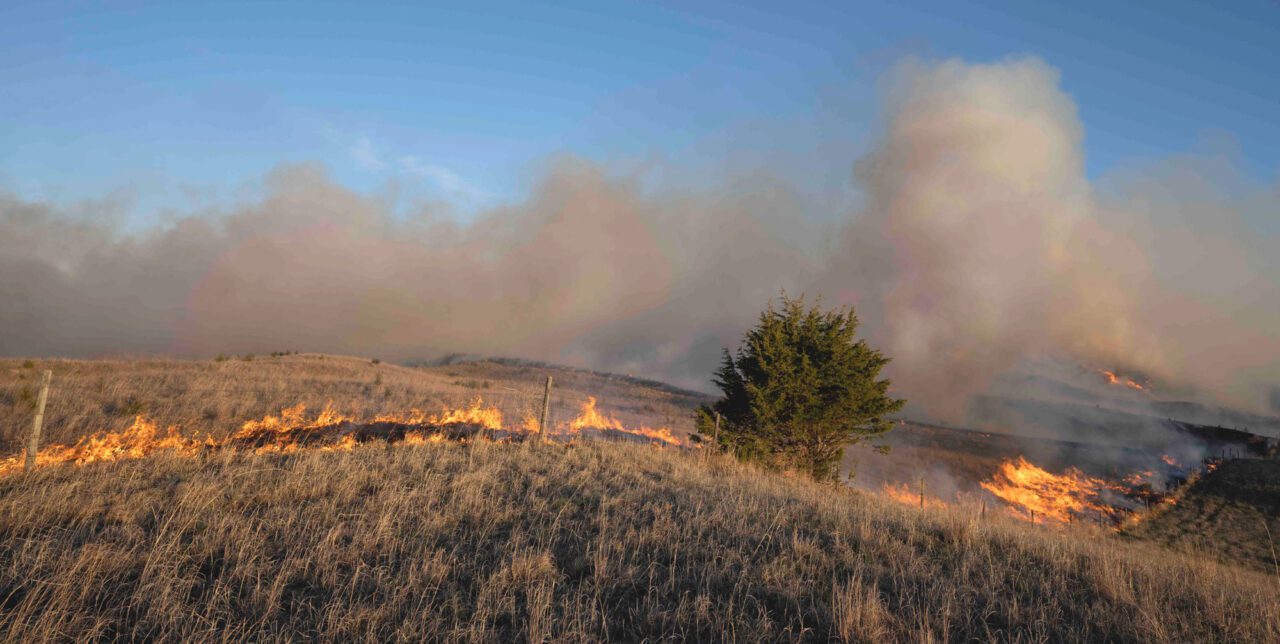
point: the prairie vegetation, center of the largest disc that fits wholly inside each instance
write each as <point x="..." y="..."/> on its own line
<point x="214" y="397"/>
<point x="488" y="542"/>
<point x="493" y="542"/>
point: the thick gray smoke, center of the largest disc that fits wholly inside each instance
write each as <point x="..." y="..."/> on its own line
<point x="981" y="237"/>
<point x="981" y="244"/>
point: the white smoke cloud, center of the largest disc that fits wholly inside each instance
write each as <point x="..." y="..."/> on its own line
<point x="981" y="243"/>
<point x="985" y="244"/>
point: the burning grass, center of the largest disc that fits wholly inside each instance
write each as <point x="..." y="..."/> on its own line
<point x="1030" y="491"/>
<point x="214" y="398"/>
<point x="292" y="430"/>
<point x="907" y="495"/>
<point x="485" y="541"/>
<point x="1057" y="483"/>
<point x="1125" y="381"/>
<point x="591" y="419"/>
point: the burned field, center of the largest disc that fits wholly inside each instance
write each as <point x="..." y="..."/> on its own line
<point x="1231" y="513"/>
<point x="1067" y="445"/>
<point x="1103" y="483"/>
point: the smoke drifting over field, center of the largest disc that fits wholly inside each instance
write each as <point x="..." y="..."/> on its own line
<point x="981" y="244"/>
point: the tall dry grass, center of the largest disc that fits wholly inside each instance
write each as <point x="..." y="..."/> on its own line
<point x="216" y="396"/>
<point x="495" y="543"/>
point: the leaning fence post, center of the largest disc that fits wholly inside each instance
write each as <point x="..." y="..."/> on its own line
<point x="33" y="442"/>
<point x="546" y="410"/>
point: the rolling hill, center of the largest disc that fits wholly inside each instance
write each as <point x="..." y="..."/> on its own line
<point x="1231" y="514"/>
<point x="207" y="537"/>
<point x="490" y="542"/>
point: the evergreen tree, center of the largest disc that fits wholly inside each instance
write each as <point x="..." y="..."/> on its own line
<point x="799" y="389"/>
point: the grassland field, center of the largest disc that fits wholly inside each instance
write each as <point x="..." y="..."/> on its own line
<point x="492" y="542"/>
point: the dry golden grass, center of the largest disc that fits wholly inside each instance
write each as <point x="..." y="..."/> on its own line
<point x="216" y="396"/>
<point x="488" y="542"/>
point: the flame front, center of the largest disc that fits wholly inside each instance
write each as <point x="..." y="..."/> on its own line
<point x="905" y="494"/>
<point x="531" y="425"/>
<point x="476" y="414"/>
<point x="286" y="432"/>
<point x="590" y="418"/>
<point x="1034" y="492"/>
<point x="280" y="434"/>
<point x="1115" y="379"/>
<point x="142" y="438"/>
<point x="292" y="429"/>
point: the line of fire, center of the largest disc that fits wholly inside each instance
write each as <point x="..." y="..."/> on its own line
<point x="1042" y="481"/>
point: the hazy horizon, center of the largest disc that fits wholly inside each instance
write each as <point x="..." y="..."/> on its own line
<point x="558" y="186"/>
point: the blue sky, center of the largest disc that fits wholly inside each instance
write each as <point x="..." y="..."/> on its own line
<point x="172" y="104"/>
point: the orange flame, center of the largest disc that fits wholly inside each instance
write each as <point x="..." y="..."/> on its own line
<point x="140" y="439"/>
<point x="591" y="418"/>
<point x="1115" y="379"/>
<point x="293" y="429"/>
<point x="531" y="424"/>
<point x="290" y="420"/>
<point x="1055" y="497"/>
<point x="903" y="493"/>
<point x="419" y="438"/>
<point x="412" y="417"/>
<point x="476" y="414"/>
<point x="280" y="434"/>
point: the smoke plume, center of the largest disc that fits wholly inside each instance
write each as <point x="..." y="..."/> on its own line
<point x="980" y="244"/>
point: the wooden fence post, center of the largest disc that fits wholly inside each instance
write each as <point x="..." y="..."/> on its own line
<point x="922" y="493"/>
<point x="33" y="442"/>
<point x="546" y="410"/>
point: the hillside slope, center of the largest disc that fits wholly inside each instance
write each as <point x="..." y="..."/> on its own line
<point x="1231" y="513"/>
<point x="492" y="542"/>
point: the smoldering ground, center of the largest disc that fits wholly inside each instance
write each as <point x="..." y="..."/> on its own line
<point x="980" y="243"/>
